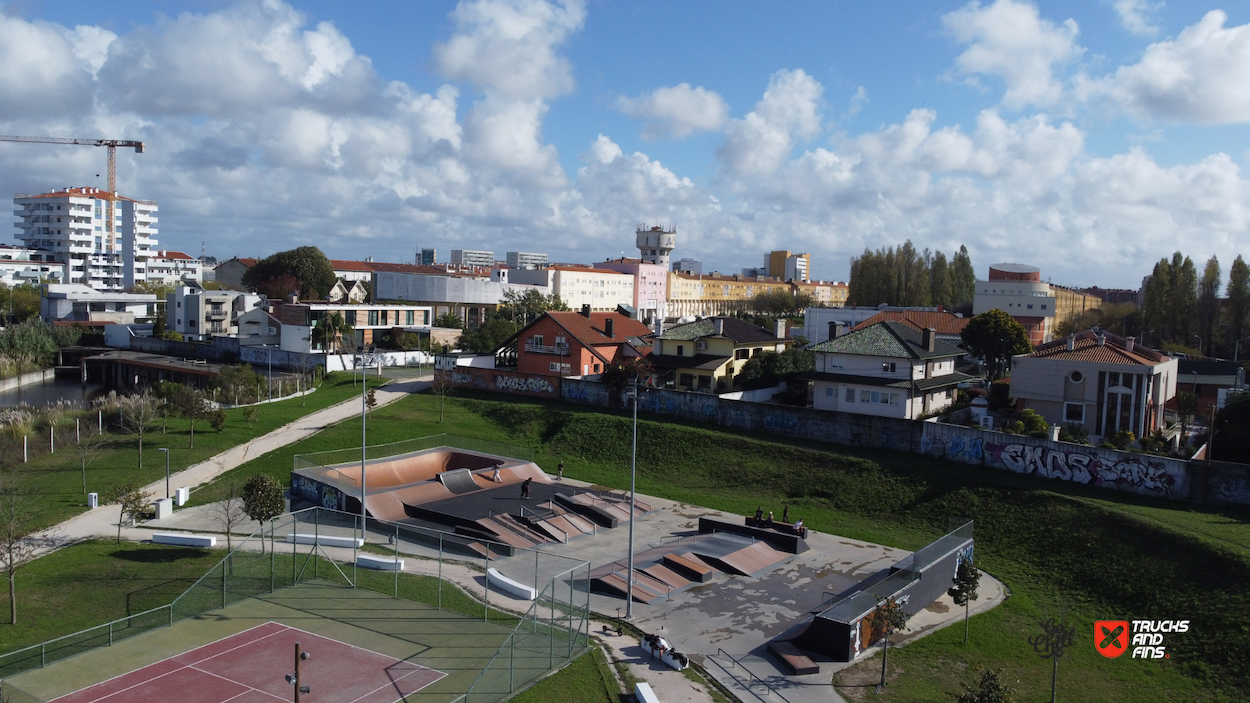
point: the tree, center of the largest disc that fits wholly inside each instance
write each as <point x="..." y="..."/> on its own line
<point x="940" y="281"/>
<point x="490" y="335"/>
<point x="20" y="300"/>
<point x="1186" y="406"/>
<point x="449" y="320"/>
<point x="190" y="403"/>
<point x="990" y="689"/>
<point x="779" y="302"/>
<point x="18" y="545"/>
<point x="442" y="387"/>
<point x="307" y="265"/>
<point x="131" y="500"/>
<point x="263" y="500"/>
<point x="233" y="378"/>
<point x="888" y="617"/>
<point x="227" y="510"/>
<point x="967" y="578"/>
<point x="331" y="332"/>
<point x="87" y="449"/>
<point x="1238" y="303"/>
<point x="139" y="413"/>
<point x="217" y="419"/>
<point x="279" y="287"/>
<point x="994" y="336"/>
<point x="770" y="368"/>
<point x="1209" y="303"/>
<point x="1170" y="299"/>
<point x="963" y="278"/>
<point x="1231" y="434"/>
<point x="895" y="276"/>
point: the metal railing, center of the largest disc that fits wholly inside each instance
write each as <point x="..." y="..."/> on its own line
<point x="560" y="349"/>
<point x="736" y="663"/>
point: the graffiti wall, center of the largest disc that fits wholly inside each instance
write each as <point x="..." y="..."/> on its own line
<point x="319" y="493"/>
<point x="765" y="418"/>
<point x="507" y="382"/>
<point x="1220" y="482"/>
<point x="1108" y="468"/>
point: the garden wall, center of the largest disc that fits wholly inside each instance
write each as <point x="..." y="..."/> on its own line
<point x="527" y="384"/>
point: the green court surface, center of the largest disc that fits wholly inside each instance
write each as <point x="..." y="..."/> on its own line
<point x="460" y="646"/>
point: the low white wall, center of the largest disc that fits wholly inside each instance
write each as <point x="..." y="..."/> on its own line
<point x="26" y="379"/>
<point x="507" y="585"/>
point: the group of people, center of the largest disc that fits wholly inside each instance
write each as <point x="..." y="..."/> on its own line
<point x="768" y="522"/>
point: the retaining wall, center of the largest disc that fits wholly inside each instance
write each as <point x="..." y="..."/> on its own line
<point x="27" y="379"/>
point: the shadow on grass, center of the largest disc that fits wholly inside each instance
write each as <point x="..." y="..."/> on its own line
<point x="159" y="556"/>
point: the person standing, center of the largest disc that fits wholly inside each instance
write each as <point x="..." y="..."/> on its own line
<point x="785" y="512"/>
<point x="525" y="489"/>
<point x="560" y="471"/>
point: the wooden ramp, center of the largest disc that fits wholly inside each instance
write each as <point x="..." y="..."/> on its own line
<point x="691" y="566"/>
<point x="667" y="576"/>
<point x="615" y="582"/>
<point x="793" y="657"/>
<point x="749" y="561"/>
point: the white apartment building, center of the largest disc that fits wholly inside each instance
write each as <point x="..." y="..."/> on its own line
<point x="199" y="314"/>
<point x="72" y="224"/>
<point x="469" y="257"/>
<point x="601" y="289"/>
<point x="526" y="260"/>
<point x="20" y="265"/>
<point x="174" y="268"/>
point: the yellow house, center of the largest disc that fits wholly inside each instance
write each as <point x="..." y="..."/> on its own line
<point x="827" y="295"/>
<point x="714" y="294"/>
<point x="707" y="355"/>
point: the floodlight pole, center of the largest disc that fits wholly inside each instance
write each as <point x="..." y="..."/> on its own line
<point x="364" y="407"/>
<point x="162" y="449"/>
<point x="633" y="474"/>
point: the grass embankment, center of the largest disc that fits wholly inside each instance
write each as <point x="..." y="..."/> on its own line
<point x="586" y="680"/>
<point x="55" y="480"/>
<point x="1096" y="554"/>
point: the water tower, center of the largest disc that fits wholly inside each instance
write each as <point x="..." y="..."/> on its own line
<point x="656" y="244"/>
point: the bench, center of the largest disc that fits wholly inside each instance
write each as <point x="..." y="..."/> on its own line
<point x="644" y="694"/>
<point x="184" y="540"/>
<point x="325" y="540"/>
<point x="793" y="658"/>
<point x="697" y="569"/>
<point x="785" y="528"/>
<point x="379" y="563"/>
<point x="507" y="585"/>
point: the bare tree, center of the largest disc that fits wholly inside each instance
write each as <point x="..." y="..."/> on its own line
<point x="228" y="511"/>
<point x="131" y="500"/>
<point x="888" y="617"/>
<point x="139" y="413"/>
<point x="442" y="387"/>
<point x="87" y="449"/>
<point x="18" y="544"/>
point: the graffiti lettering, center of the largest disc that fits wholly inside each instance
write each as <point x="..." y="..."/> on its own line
<point x="709" y="409"/>
<point x="523" y="385"/>
<point x="576" y="394"/>
<point x="774" y="421"/>
<point x="1136" y="473"/>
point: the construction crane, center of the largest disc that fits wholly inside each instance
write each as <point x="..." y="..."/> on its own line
<point x="112" y="145"/>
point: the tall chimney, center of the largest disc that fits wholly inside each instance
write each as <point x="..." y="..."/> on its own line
<point x="1071" y="342"/>
<point x="929" y="338"/>
<point x="1129" y="343"/>
<point x="718" y="326"/>
<point x="833" y="329"/>
<point x="1102" y="340"/>
<point x="781" y="329"/>
<point x="608" y="327"/>
<point x="586" y="311"/>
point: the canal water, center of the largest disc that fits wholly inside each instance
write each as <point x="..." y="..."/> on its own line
<point x="51" y="392"/>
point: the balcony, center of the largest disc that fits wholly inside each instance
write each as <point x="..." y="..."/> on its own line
<point x="214" y="313"/>
<point x="559" y="349"/>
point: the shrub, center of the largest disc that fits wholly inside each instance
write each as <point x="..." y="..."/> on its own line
<point x="217" y="419"/>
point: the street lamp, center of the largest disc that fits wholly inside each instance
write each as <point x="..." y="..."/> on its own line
<point x="633" y="475"/>
<point x="293" y="679"/>
<point x="269" y="354"/>
<point x="162" y="449"/>
<point x="1199" y="344"/>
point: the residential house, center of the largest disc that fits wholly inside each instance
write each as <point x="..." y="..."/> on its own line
<point x="602" y="289"/>
<point x="469" y="296"/>
<point x="174" y="268"/>
<point x="259" y="327"/>
<point x="708" y="355"/>
<point x="75" y="302"/>
<point x="229" y="274"/>
<point x="948" y="325"/>
<point x="828" y="294"/>
<point x="20" y="265"/>
<point x="198" y="314"/>
<point x="1103" y="382"/>
<point x="890" y="369"/>
<point x="650" y="285"/>
<point x="713" y="294"/>
<point x="368" y="321"/>
<point x="356" y="291"/>
<point x="573" y="343"/>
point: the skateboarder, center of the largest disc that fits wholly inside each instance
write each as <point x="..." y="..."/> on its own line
<point x="785" y="512"/>
<point x="525" y="489"/>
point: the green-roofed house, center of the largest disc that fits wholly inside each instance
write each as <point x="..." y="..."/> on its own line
<point x="889" y="369"/>
<point x="707" y="355"/>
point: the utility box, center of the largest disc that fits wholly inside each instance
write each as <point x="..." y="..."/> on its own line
<point x="164" y="508"/>
<point x="93" y="500"/>
<point x="181" y="496"/>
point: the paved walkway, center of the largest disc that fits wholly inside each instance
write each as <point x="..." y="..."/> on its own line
<point x="102" y="522"/>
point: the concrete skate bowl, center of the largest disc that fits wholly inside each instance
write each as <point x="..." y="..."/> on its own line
<point x="396" y="482"/>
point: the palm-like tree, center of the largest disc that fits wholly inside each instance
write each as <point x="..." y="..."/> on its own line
<point x="331" y="330"/>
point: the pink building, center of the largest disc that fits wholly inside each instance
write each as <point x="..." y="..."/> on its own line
<point x="650" y="285"/>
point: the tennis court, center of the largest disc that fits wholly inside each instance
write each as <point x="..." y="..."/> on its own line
<point x="250" y="667"/>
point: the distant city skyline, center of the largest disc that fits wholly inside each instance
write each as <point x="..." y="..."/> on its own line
<point x="1087" y="139"/>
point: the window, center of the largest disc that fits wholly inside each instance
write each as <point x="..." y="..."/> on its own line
<point x="410" y="317"/>
<point x="865" y="396"/>
<point x="373" y="317"/>
<point x="554" y="366"/>
<point x="1076" y="377"/>
<point x="350" y="317"/>
<point x="850" y="395"/>
<point x="1030" y="306"/>
<point x="741" y="353"/>
<point x="888" y="367"/>
<point x="687" y="379"/>
<point x="596" y="368"/>
<point x="1074" y="412"/>
<point x="681" y="350"/>
<point x="537" y="340"/>
<point x="829" y="391"/>
<point x="1043" y="306"/>
<point x="386" y="316"/>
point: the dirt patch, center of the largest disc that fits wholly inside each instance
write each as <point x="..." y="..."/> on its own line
<point x="938" y="606"/>
<point x="859" y="682"/>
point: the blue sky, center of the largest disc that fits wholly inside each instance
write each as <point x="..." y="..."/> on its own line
<point x="1090" y="139"/>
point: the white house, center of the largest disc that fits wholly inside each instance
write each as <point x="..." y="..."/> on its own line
<point x="20" y="265"/>
<point x="888" y="369"/>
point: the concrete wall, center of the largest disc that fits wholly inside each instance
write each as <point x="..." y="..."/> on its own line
<point x="1223" y="483"/>
<point x="1143" y="474"/>
<point x="527" y="384"/>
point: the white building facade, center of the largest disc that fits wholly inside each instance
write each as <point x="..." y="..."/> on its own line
<point x="526" y="260"/>
<point x="470" y="257"/>
<point x="20" y="265"/>
<point x="174" y="268"/>
<point x="72" y="224"/>
<point x="199" y="315"/>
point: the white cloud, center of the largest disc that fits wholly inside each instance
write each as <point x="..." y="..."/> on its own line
<point x="760" y="142"/>
<point x="1203" y="75"/>
<point x="1136" y="16"/>
<point x="857" y="103"/>
<point x="1010" y="40"/>
<point x="509" y="47"/>
<point x="677" y="111"/>
<point x="42" y="75"/>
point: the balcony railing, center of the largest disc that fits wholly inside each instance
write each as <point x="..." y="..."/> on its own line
<point x="561" y="349"/>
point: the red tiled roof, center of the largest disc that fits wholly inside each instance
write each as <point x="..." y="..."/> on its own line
<point x="1086" y="348"/>
<point x="943" y="322"/>
<point x="584" y="269"/>
<point x="370" y="266"/>
<point x="173" y="255"/>
<point x="340" y="265"/>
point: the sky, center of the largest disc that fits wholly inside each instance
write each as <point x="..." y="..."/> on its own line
<point x="1089" y="139"/>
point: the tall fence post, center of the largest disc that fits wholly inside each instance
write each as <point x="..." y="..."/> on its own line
<point x="316" y="542"/>
<point x="397" y="561"/>
<point x="273" y="555"/>
<point x="223" y="582"/>
<point x="440" y="571"/>
<point x="356" y="521"/>
<point x="294" y="549"/>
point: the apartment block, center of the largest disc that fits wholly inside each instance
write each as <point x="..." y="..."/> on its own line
<point x="174" y="268"/>
<point x="198" y="314"/>
<point x="20" y="265"/>
<point x="469" y="257"/>
<point x="526" y="260"/>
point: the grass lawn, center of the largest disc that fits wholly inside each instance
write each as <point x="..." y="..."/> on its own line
<point x="55" y="480"/>
<point x="586" y="680"/>
<point x="1059" y="547"/>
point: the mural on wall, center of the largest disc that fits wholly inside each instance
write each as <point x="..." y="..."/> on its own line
<point x="523" y="384"/>
<point x="1139" y="473"/>
<point x="317" y="492"/>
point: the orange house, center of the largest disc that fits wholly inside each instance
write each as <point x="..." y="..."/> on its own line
<point x="573" y="343"/>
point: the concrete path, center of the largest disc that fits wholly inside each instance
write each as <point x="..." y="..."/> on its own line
<point x="102" y="522"/>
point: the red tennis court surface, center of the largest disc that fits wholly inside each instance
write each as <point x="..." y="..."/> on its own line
<point x="251" y="667"/>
